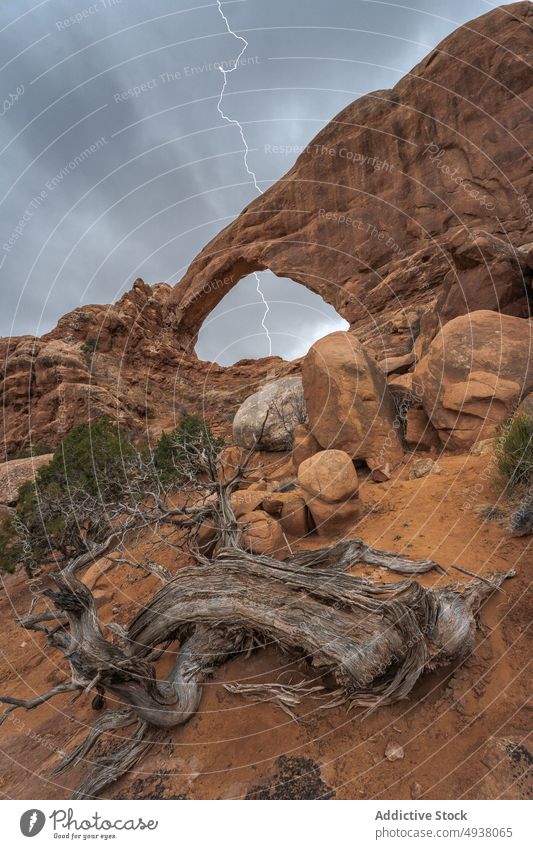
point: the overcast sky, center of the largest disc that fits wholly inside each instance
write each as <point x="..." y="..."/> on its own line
<point x="116" y="164"/>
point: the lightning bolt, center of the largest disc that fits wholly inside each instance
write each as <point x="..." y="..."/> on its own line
<point x="33" y="820"/>
<point x="249" y="171"/>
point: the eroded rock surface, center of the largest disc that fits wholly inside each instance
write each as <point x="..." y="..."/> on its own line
<point x="267" y="418"/>
<point x="125" y="360"/>
<point x="476" y="371"/>
<point x="348" y="402"/>
<point x="330" y="474"/>
<point x="16" y="472"/>
<point x="330" y="486"/>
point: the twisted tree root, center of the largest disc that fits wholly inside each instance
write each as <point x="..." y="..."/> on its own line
<point x="374" y="640"/>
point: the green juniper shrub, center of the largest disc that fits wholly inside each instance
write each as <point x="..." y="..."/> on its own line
<point x="69" y="500"/>
<point x="93" y="472"/>
<point x="514" y="452"/>
<point x="91" y="346"/>
<point x="36" y="450"/>
<point x="181" y="453"/>
<point x="10" y="547"/>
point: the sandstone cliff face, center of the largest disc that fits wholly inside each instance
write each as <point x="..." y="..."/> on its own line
<point x="382" y="214"/>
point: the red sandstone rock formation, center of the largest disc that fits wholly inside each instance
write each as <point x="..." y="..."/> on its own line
<point x="477" y="370"/>
<point x="125" y="360"/>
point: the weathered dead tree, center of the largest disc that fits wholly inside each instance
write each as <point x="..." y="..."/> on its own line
<point x="372" y="640"/>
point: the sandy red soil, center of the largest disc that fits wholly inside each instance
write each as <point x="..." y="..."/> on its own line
<point x="463" y="729"/>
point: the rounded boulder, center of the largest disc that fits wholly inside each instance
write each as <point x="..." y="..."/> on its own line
<point x="476" y="371"/>
<point x="329" y="475"/>
<point x="267" y="418"/>
<point x="349" y="404"/>
<point x="261" y="533"/>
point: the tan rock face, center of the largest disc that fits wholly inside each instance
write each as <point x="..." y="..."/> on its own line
<point x="419" y="432"/>
<point x="304" y="445"/>
<point x="261" y="533"/>
<point x="330" y="487"/>
<point x="268" y="417"/>
<point x="401" y="387"/>
<point x="333" y="520"/>
<point x="293" y="518"/>
<point x="247" y="500"/>
<point x="206" y="537"/>
<point x="230" y="460"/>
<point x="348" y="402"/>
<point x="398" y="365"/>
<point x="16" y="472"/>
<point x="330" y="475"/>
<point x="477" y="369"/>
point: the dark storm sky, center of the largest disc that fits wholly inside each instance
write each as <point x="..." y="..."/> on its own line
<point x="115" y="163"/>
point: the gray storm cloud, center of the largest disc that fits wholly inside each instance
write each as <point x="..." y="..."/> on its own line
<point x="115" y="163"/>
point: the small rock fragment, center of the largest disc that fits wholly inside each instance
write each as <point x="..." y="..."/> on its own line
<point x="394" y="752"/>
<point x="421" y="468"/>
<point x="416" y="790"/>
<point x="382" y="474"/>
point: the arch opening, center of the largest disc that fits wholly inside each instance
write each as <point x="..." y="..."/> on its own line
<point x="265" y="315"/>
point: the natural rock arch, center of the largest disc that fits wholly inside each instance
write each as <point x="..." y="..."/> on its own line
<point x="198" y="300"/>
<point x="265" y="315"/>
<point x="384" y="209"/>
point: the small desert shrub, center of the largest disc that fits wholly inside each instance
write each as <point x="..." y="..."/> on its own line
<point x="180" y="454"/>
<point x="514" y="452"/>
<point x="94" y="472"/>
<point x="91" y="346"/>
<point x="69" y="500"/>
<point x="521" y="519"/>
<point x="36" y="450"/>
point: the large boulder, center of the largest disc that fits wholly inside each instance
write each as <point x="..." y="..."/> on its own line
<point x="477" y="369"/>
<point x="268" y="417"/>
<point x="420" y="434"/>
<point x="289" y="509"/>
<point x="261" y="533"/>
<point x="330" y="475"/>
<point x="304" y="445"/>
<point x="330" y="485"/>
<point x="348" y="402"/>
<point x="334" y="520"/>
